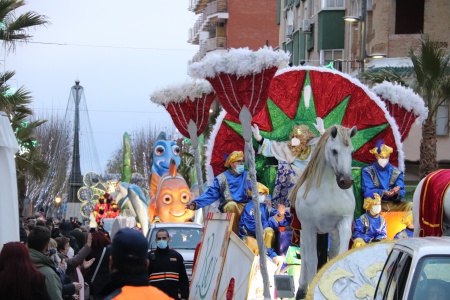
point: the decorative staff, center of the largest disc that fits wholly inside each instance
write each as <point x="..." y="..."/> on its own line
<point x="188" y="104"/>
<point x="241" y="78"/>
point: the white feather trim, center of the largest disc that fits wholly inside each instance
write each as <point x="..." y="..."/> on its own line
<point x="240" y="61"/>
<point x="372" y="95"/>
<point x="404" y="97"/>
<point x="210" y="146"/>
<point x="179" y="93"/>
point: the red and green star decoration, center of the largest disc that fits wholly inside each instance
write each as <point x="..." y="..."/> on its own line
<point x="299" y="96"/>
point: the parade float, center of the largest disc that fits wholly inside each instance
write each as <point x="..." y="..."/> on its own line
<point x="252" y="91"/>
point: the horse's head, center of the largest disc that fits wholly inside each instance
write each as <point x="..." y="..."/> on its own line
<point x="338" y="154"/>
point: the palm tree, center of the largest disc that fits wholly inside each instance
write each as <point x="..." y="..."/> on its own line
<point x="432" y="73"/>
<point x="431" y="80"/>
<point x="28" y="160"/>
<point x="14" y="28"/>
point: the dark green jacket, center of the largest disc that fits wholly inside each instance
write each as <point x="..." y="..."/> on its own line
<point x="47" y="267"/>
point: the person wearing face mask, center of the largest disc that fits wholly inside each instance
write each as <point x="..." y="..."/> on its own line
<point x="371" y="226"/>
<point x="271" y="220"/>
<point x="384" y="179"/>
<point x="229" y="187"/>
<point x="166" y="268"/>
<point x="292" y="155"/>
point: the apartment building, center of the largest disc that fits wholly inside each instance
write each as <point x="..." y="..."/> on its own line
<point x="225" y="24"/>
<point x="316" y="34"/>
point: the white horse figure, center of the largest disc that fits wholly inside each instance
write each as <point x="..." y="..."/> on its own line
<point x="324" y="200"/>
<point x="417" y="203"/>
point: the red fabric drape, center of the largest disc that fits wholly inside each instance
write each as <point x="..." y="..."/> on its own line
<point x="431" y="211"/>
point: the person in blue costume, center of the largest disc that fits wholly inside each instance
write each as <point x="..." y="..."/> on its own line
<point x="384" y="179"/>
<point x="371" y="226"/>
<point x="408" y="232"/>
<point x="271" y="220"/>
<point x="229" y="187"/>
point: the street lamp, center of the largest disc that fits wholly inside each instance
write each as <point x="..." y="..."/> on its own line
<point x="58" y="200"/>
<point x="362" y="22"/>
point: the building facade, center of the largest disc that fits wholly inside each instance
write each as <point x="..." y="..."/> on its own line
<point x="225" y="24"/>
<point x="316" y="34"/>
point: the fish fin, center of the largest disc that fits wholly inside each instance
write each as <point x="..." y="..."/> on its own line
<point x="154" y="181"/>
<point x="173" y="168"/>
<point x="151" y="210"/>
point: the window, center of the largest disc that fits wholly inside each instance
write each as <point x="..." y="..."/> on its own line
<point x="409" y="16"/>
<point x="312" y="7"/>
<point x="333" y="4"/>
<point x="334" y="55"/>
<point x="386" y="274"/>
<point x="442" y="120"/>
<point x="431" y="274"/>
<point x="400" y="274"/>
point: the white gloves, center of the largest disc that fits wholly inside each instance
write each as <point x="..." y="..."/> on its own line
<point x="256" y="134"/>
<point x="319" y="126"/>
<point x="278" y="260"/>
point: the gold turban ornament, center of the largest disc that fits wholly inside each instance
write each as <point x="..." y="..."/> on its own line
<point x="234" y="156"/>
<point x="407" y="218"/>
<point x="261" y="189"/>
<point x="383" y="151"/>
<point x="369" y="202"/>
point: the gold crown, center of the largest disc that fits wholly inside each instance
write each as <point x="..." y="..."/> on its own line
<point x="384" y="151"/>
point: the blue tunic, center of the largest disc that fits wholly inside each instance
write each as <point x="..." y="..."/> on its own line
<point x="376" y="228"/>
<point x="369" y="186"/>
<point x="236" y="191"/>
<point x="405" y="233"/>
<point x="247" y="224"/>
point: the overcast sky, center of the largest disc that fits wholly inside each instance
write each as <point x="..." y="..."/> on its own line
<point x="121" y="51"/>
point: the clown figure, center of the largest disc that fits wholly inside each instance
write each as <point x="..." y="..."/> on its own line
<point x="371" y="226"/>
<point x="384" y="179"/>
<point x="408" y="232"/>
<point x="271" y="220"/>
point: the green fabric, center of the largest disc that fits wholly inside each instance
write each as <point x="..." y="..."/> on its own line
<point x="292" y="256"/>
<point x="126" y="170"/>
<point x="359" y="199"/>
<point x="266" y="171"/>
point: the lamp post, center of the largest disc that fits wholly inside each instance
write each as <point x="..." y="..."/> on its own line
<point x="57" y="204"/>
<point x="362" y="22"/>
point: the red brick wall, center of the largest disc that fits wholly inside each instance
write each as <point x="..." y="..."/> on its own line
<point x="251" y="23"/>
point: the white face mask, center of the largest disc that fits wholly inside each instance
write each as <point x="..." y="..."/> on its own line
<point x="261" y="198"/>
<point x="239" y="169"/>
<point x="295" y="142"/>
<point x="383" y="162"/>
<point x="376" y="209"/>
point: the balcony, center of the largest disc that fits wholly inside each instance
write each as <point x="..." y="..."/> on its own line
<point x="217" y="43"/>
<point x="193" y="32"/>
<point x="197" y="6"/>
<point x="219" y="6"/>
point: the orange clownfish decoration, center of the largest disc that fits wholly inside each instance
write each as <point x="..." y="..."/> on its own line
<point x="169" y="195"/>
